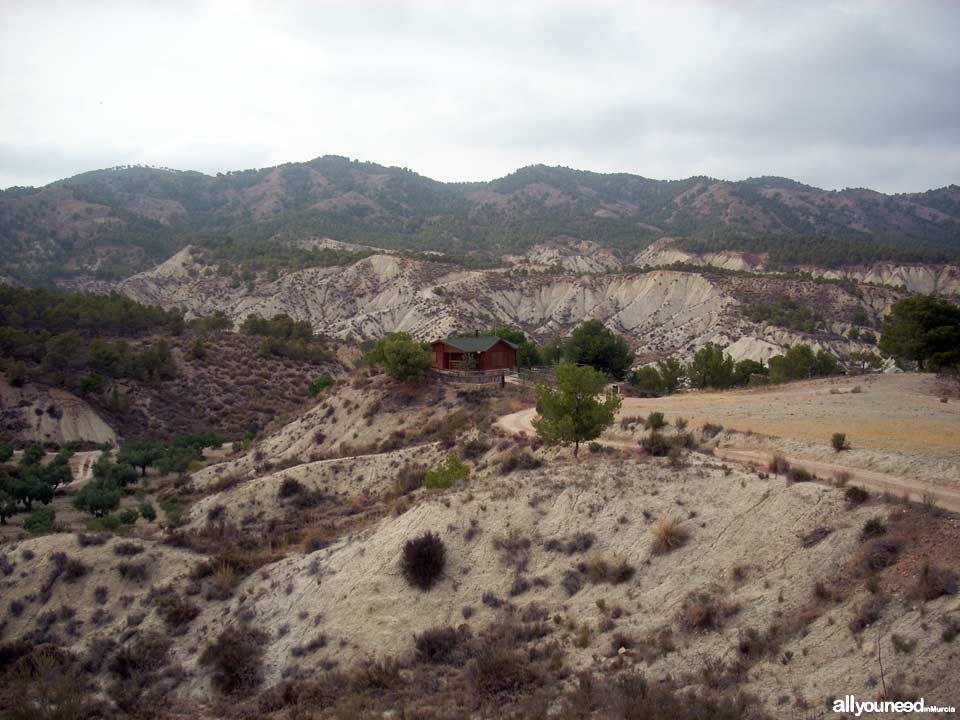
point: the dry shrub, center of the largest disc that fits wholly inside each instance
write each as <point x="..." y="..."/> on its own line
<point x="440" y="644"/>
<point x="518" y="459"/>
<point x="821" y="591"/>
<point x="856" y="495"/>
<point x="289" y="488"/>
<point x="799" y="475"/>
<point x="903" y="645"/>
<point x="631" y="697"/>
<point x="319" y="642"/>
<point x="498" y="669"/>
<point x="572" y="582"/>
<point x="600" y="569"/>
<point x="474" y="449"/>
<point x="514" y="550"/>
<point x="872" y="528"/>
<point x="127" y="548"/>
<point x="934" y="582"/>
<point x="880" y="554"/>
<point x="703" y="611"/>
<point x="839" y="442"/>
<point x="655" y="444"/>
<point x="816" y="535"/>
<point x="520" y="586"/>
<point x="43" y="683"/>
<point x="626" y="422"/>
<point x="134" y="572"/>
<point x="147" y="653"/>
<point x="778" y="465"/>
<point x="868" y="613"/>
<point x="577" y="543"/>
<point x="668" y="534"/>
<point x="176" y="611"/>
<point x="85" y="540"/>
<point x="423" y="560"/>
<point x="224" y="580"/>
<point x="753" y="644"/>
<point x="951" y="629"/>
<point x="710" y="431"/>
<point x="655" y="421"/>
<point x="236" y="660"/>
<point x="409" y="478"/>
<point x="654" y="646"/>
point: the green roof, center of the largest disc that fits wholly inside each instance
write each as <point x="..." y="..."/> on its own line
<point x="476" y="344"/>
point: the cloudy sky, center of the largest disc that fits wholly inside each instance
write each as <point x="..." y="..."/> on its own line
<point x="836" y="94"/>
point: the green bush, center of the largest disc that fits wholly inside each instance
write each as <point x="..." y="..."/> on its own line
<point x="571" y="410"/>
<point x="924" y="330"/>
<point x="92" y="384"/>
<point x="147" y="512"/>
<point x="801" y="362"/>
<point x="647" y="381"/>
<point x="711" y="368"/>
<point x="446" y="474"/>
<point x="320" y="384"/>
<point x="874" y="527"/>
<point x="198" y="350"/>
<point x="856" y="495"/>
<point x="108" y="522"/>
<point x="839" y="441"/>
<point x="172" y="509"/>
<point x="656" y="444"/>
<point x="39" y="520"/>
<point x="786" y="312"/>
<point x="128" y="516"/>
<point x="119" y="474"/>
<point x="655" y="421"/>
<point x="402" y="357"/>
<point x="98" y="497"/>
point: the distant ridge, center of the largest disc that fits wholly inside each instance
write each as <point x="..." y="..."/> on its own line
<point x="112" y="223"/>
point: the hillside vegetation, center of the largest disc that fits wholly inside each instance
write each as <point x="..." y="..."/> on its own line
<point x="145" y="370"/>
<point x="112" y="223"/>
<point x="322" y="572"/>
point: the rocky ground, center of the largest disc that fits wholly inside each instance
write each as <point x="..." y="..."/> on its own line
<point x="661" y="311"/>
<point x="277" y="590"/>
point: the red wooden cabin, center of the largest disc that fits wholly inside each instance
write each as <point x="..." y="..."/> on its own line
<point x="480" y="353"/>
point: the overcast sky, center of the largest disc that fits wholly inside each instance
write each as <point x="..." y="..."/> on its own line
<point x="835" y="94"/>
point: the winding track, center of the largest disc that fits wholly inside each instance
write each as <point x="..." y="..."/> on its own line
<point x="917" y="490"/>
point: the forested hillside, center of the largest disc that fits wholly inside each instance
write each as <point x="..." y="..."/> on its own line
<point x="109" y="224"/>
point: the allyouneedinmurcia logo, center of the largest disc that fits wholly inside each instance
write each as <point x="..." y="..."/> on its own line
<point x="849" y="704"/>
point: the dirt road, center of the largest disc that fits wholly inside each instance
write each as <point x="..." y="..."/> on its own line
<point x="915" y="490"/>
<point x="898" y="421"/>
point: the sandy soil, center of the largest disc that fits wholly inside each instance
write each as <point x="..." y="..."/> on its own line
<point x="353" y="595"/>
<point x="904" y="439"/>
<point x="898" y="412"/>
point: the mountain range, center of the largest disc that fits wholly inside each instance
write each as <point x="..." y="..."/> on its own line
<point x="110" y="224"/>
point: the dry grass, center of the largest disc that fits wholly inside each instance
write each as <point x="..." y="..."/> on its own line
<point x="668" y="534"/>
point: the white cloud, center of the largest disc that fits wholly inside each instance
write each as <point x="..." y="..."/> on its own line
<point x="834" y="94"/>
